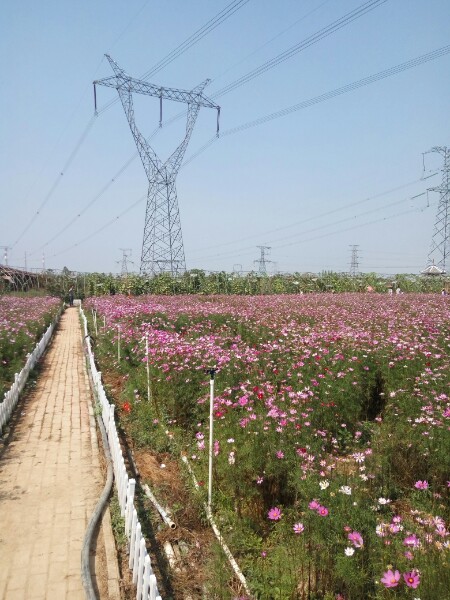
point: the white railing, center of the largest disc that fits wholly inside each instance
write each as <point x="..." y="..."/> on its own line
<point x="139" y="561"/>
<point x="12" y="395"/>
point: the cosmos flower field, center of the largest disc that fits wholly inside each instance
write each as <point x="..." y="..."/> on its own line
<point x="331" y="430"/>
<point x="23" y="320"/>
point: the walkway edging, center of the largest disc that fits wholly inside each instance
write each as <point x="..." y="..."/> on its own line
<point x="12" y="395"/>
<point x="139" y="561"/>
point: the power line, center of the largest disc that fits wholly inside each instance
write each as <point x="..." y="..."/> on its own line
<point x="58" y="178"/>
<point x="77" y="145"/>
<point x="193" y="39"/>
<point x="309" y="231"/>
<point x="410" y="64"/>
<point x="355" y="14"/>
<point x="303" y="45"/>
<point x="415" y="62"/>
<point x="309" y="13"/>
<point x="433" y="55"/>
<point x="324" y="214"/>
<point x="228" y="11"/>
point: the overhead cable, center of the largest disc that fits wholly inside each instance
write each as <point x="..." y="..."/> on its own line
<point x="58" y="178"/>
<point x="193" y="39"/>
<point x="312" y="39"/>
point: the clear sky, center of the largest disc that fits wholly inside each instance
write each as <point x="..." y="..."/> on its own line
<point x="310" y="184"/>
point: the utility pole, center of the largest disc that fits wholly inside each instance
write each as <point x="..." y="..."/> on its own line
<point x="43" y="262"/>
<point x="263" y="260"/>
<point x="5" y="255"/>
<point x="237" y="269"/>
<point x="25" y="260"/>
<point x="162" y="246"/>
<point x="354" y="265"/>
<point x="440" y="242"/>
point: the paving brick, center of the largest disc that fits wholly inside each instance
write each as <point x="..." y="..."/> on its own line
<point x="50" y="480"/>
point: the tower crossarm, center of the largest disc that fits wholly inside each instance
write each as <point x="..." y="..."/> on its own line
<point x="138" y="86"/>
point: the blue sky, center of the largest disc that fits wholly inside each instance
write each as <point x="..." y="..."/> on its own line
<point x="309" y="185"/>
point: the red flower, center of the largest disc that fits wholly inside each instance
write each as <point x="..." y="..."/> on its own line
<point x="126" y="407"/>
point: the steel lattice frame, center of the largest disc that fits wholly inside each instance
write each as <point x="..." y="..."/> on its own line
<point x="440" y="241"/>
<point x="162" y="246"/>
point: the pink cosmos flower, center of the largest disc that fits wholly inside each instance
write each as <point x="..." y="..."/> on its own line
<point x="421" y="485"/>
<point x="314" y="505"/>
<point x="299" y="528"/>
<point x="412" y="578"/>
<point x="412" y="540"/>
<point x="274" y="514"/>
<point x="356" y="539"/>
<point x="322" y="511"/>
<point x="390" y="578"/>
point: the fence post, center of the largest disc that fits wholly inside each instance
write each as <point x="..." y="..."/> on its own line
<point x="129" y="505"/>
<point x="140" y="575"/>
<point x="136" y="552"/>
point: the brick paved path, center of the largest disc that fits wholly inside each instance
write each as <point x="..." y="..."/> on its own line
<point x="50" y="481"/>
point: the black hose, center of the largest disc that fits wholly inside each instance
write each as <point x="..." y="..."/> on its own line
<point x="86" y="574"/>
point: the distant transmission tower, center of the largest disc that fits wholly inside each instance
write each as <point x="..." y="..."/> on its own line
<point x="125" y="256"/>
<point x="440" y="243"/>
<point x="263" y="260"/>
<point x="354" y="265"/>
<point x="5" y="255"/>
<point x="162" y="246"/>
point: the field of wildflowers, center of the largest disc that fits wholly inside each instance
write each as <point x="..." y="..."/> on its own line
<point x="331" y="435"/>
<point x="23" y="320"/>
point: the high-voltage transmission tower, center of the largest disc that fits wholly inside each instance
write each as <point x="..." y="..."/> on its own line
<point x="440" y="241"/>
<point x="5" y="255"/>
<point x="124" y="261"/>
<point x="354" y="265"/>
<point x="162" y="246"/>
<point x="263" y="260"/>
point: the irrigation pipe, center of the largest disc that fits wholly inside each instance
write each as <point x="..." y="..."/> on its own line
<point x="218" y="535"/>
<point x="86" y="574"/>
<point x="164" y="514"/>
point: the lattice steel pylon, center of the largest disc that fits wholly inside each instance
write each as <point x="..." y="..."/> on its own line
<point x="354" y="265"/>
<point x="162" y="245"/>
<point x="440" y="241"/>
<point x="126" y="253"/>
<point x="263" y="260"/>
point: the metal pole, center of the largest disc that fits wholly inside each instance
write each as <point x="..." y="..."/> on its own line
<point x="149" y="394"/>
<point x="211" y="372"/>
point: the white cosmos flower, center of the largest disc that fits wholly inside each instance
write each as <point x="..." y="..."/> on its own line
<point x="383" y="501"/>
<point x="324" y="484"/>
<point x="345" y="489"/>
<point x="349" y="551"/>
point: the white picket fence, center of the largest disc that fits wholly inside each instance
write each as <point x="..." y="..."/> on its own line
<point x="139" y="560"/>
<point x="12" y="395"/>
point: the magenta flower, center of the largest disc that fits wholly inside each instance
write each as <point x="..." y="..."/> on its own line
<point x="274" y="514"/>
<point x="322" y="511"/>
<point x="390" y="578"/>
<point x="299" y="528"/>
<point x="356" y="539"/>
<point x="412" y="540"/>
<point x="314" y="505"/>
<point x="421" y="485"/>
<point x="412" y="578"/>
